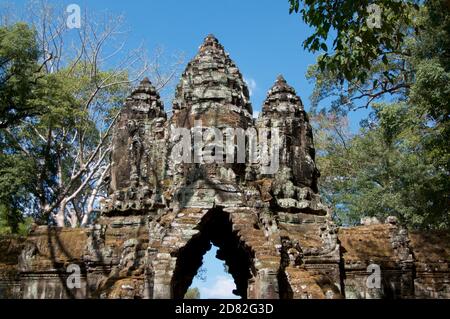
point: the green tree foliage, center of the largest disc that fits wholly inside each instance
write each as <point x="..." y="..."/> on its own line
<point x="60" y="92"/>
<point x="398" y="164"/>
<point x="56" y="110"/>
<point x="381" y="171"/>
<point x="192" y="293"/>
<point x="12" y="221"/>
<point x="20" y="85"/>
<point x="16" y="180"/>
<point x="351" y="45"/>
<point x="430" y="91"/>
<point x="57" y="139"/>
<point x="19" y="73"/>
<point x="30" y="100"/>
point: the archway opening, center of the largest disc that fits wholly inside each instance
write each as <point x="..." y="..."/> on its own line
<point x="215" y="229"/>
<point x="213" y="281"/>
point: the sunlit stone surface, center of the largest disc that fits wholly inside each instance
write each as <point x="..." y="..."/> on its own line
<point x="272" y="229"/>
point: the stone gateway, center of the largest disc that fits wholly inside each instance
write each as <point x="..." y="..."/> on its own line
<point x="272" y="229"/>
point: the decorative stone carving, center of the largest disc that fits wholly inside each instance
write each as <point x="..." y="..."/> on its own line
<point x="138" y="153"/>
<point x="272" y="229"/>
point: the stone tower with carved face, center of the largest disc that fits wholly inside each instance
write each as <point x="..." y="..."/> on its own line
<point x="258" y="218"/>
<point x="254" y="196"/>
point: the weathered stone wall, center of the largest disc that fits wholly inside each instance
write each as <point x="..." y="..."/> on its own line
<point x="272" y="230"/>
<point x="119" y="260"/>
<point x="10" y="249"/>
<point x="431" y="264"/>
<point x="44" y="260"/>
<point x="385" y="245"/>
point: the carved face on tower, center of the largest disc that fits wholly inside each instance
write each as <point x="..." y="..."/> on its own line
<point x="226" y="150"/>
<point x="135" y="133"/>
<point x="211" y="98"/>
<point x="284" y="109"/>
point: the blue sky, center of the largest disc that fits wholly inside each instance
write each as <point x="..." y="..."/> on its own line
<point x="218" y="283"/>
<point x="260" y="35"/>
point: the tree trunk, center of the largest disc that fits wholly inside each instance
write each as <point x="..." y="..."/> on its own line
<point x="59" y="217"/>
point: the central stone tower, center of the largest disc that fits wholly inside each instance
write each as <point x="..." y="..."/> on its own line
<point x="211" y="95"/>
<point x="162" y="215"/>
<point x="271" y="228"/>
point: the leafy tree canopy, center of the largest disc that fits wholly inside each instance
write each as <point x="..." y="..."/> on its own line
<point x="399" y="162"/>
<point x="19" y="73"/>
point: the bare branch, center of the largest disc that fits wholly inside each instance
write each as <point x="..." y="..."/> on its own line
<point x="93" y="196"/>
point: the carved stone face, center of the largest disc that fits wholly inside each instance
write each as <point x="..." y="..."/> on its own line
<point x="272" y="230"/>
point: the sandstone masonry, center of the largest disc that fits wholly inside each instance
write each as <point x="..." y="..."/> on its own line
<point x="272" y="230"/>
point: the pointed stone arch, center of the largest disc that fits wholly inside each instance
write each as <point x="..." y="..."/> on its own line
<point x="177" y="254"/>
<point x="217" y="229"/>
